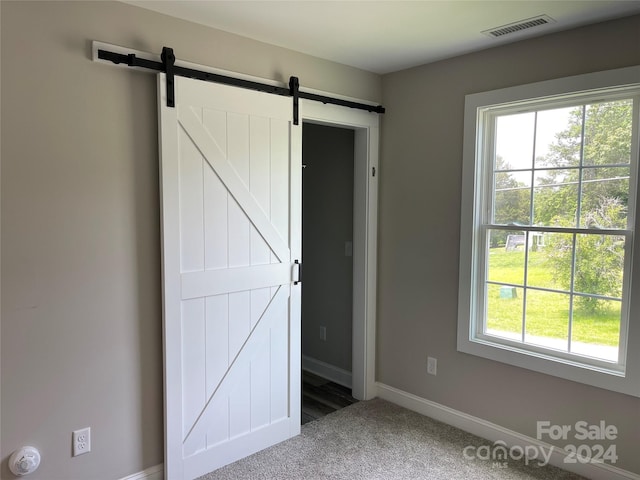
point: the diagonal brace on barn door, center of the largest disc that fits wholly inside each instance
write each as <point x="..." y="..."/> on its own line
<point x="216" y="158"/>
<point x="270" y="314"/>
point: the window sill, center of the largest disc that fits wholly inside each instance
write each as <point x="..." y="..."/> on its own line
<point x="601" y="376"/>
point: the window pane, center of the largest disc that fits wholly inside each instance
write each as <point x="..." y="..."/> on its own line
<point x="506" y="257"/>
<point x="597" y="334"/>
<point x="512" y="197"/>
<point x="514" y="140"/>
<point x="599" y="268"/>
<point x="504" y="312"/>
<point x="555" y="197"/>
<point x="605" y="197"/>
<point x="558" y="137"/>
<point x="550" y="258"/>
<point x="547" y="322"/>
<point x="607" y="136"/>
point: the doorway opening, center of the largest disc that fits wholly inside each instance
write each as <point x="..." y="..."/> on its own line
<point x="362" y="130"/>
<point x="327" y="250"/>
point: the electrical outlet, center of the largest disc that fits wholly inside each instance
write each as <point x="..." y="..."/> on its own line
<point x="81" y="441"/>
<point x="432" y="366"/>
<point x="323" y="334"/>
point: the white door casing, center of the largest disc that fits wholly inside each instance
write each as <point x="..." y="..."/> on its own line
<point x="231" y="218"/>
<point x="365" y="233"/>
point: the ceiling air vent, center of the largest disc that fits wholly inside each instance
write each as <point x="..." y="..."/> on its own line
<point x="519" y="26"/>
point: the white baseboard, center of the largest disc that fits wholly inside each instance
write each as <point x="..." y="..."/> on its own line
<point x="494" y="433"/>
<point x="152" y="473"/>
<point x="325" y="370"/>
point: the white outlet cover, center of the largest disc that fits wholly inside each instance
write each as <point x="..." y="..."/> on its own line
<point x="81" y="441"/>
<point x="432" y="365"/>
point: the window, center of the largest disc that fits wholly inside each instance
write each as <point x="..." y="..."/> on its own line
<point x="548" y="221"/>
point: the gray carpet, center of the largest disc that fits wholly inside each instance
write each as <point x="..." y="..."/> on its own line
<point x="377" y="440"/>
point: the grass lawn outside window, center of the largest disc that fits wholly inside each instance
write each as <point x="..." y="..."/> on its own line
<point x="597" y="333"/>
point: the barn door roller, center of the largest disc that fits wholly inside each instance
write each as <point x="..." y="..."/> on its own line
<point x="168" y="61"/>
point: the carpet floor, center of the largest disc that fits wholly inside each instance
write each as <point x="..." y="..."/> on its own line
<point x="377" y="440"/>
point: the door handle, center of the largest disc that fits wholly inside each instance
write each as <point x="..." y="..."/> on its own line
<point x="297" y="262"/>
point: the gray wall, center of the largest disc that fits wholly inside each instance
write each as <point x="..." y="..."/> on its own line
<point x="327" y="211"/>
<point x="419" y="237"/>
<point x="81" y="300"/>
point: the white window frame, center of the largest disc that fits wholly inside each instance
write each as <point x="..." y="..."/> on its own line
<point x="623" y="376"/>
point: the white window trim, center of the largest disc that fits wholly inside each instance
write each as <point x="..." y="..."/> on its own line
<point x="627" y="382"/>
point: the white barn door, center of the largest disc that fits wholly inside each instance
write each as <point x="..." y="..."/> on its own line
<point x="231" y="218"/>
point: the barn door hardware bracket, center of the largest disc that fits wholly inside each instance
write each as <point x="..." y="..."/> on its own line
<point x="294" y="90"/>
<point x="297" y="262"/>
<point x="130" y="60"/>
<point x="168" y="66"/>
<point x="168" y="61"/>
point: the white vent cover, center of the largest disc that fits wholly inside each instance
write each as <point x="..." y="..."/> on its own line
<point x="519" y="26"/>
